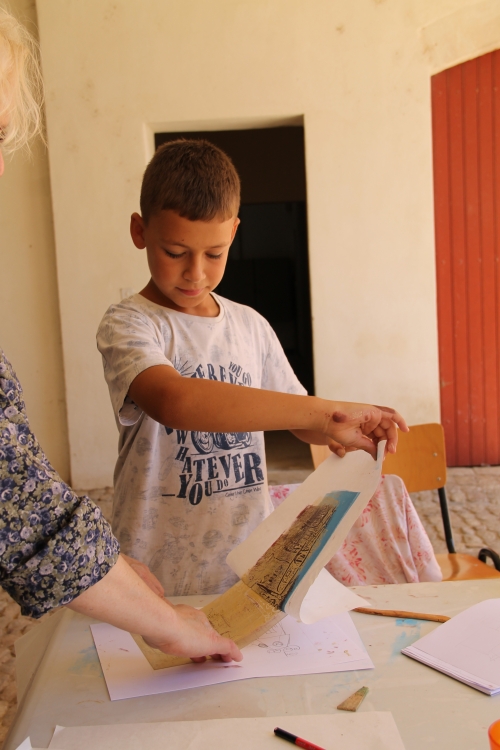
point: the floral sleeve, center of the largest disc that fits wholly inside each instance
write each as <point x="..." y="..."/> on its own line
<point x="53" y="544"/>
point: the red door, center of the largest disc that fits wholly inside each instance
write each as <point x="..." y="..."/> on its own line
<point x="466" y="146"/>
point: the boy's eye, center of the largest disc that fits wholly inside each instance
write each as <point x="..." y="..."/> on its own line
<point x="173" y="255"/>
<point x="214" y="257"/>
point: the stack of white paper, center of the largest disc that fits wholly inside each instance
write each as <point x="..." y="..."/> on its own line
<point x="467" y="647"/>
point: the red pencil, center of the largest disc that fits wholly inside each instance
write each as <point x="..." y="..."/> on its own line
<point x="296" y="740"/>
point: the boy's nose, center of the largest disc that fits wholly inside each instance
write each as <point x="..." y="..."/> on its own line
<point x="194" y="272"/>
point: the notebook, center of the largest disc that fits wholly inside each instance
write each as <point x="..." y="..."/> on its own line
<point x="467" y="647"/>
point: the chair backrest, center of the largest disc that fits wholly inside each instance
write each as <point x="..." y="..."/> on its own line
<point x="319" y="453"/>
<point x="420" y="459"/>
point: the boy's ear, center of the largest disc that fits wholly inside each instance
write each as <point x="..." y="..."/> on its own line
<point x="235" y="227"/>
<point x="137" y="231"/>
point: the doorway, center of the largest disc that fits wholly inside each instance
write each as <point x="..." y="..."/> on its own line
<point x="466" y="148"/>
<point x="268" y="266"/>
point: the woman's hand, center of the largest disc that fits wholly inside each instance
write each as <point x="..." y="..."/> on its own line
<point x="193" y="636"/>
<point x="123" y="599"/>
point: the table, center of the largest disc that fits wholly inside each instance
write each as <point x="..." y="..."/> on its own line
<point x="60" y="679"/>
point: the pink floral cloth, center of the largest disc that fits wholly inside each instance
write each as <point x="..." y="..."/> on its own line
<point x="387" y="544"/>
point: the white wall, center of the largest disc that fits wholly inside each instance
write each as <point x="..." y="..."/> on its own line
<point x="359" y="74"/>
<point x="29" y="308"/>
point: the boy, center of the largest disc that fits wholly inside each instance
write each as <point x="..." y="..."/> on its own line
<point x="195" y="378"/>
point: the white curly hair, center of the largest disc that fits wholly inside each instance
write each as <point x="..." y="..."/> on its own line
<point x="21" y="87"/>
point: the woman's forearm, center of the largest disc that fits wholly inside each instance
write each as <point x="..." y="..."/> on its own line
<point x="122" y="599"/>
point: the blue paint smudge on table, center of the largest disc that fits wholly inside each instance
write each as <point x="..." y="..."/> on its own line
<point x="406" y="637"/>
<point x="87" y="662"/>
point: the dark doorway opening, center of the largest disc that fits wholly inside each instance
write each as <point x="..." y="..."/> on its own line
<point x="268" y="267"/>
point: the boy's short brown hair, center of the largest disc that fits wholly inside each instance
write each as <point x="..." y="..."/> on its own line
<point x="192" y="177"/>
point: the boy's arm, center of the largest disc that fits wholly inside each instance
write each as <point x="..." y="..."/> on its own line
<point x="211" y="406"/>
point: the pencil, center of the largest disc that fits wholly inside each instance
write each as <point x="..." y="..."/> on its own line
<point x="402" y="613"/>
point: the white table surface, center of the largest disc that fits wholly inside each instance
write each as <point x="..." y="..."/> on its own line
<point x="60" y="679"/>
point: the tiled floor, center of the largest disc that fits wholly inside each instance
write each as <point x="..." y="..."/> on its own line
<point x="474" y="503"/>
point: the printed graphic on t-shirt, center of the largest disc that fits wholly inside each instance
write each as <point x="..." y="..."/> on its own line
<point x="184" y="498"/>
<point x="209" y="463"/>
<point x="233" y="373"/>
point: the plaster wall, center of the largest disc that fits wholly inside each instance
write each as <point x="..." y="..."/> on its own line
<point x="356" y="73"/>
<point x="30" y="332"/>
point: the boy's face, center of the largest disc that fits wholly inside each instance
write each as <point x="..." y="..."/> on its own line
<point x="186" y="259"/>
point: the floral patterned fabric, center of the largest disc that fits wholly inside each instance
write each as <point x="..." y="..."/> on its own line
<point x="53" y="544"/>
<point x="387" y="544"/>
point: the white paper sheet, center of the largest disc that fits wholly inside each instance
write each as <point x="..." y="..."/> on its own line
<point x="354" y="478"/>
<point x="26" y="745"/>
<point x="290" y="648"/>
<point x="374" y="730"/>
<point x="327" y="597"/>
<point x="467" y="647"/>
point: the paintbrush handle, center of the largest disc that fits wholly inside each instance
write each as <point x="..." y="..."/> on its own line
<point x="402" y="613"/>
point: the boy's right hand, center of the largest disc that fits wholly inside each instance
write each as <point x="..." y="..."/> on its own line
<point x="363" y="426"/>
<point x="193" y="636"/>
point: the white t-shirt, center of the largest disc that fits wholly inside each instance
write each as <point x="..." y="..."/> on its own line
<point x="184" y="499"/>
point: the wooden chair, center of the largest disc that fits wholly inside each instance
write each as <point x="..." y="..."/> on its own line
<point x="420" y="461"/>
